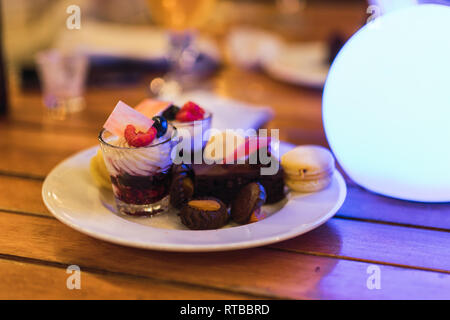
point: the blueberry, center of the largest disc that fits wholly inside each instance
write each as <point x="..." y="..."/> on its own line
<point x="160" y="123"/>
<point x="171" y="112"/>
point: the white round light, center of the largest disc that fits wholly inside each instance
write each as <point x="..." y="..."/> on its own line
<point x="386" y="105"/>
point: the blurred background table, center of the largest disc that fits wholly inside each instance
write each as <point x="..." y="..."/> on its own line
<point x="408" y="242"/>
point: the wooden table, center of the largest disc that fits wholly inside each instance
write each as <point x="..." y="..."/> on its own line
<point x="409" y="243"/>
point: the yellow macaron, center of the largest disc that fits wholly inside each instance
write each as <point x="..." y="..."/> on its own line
<point x="308" y="168"/>
<point x="99" y="172"/>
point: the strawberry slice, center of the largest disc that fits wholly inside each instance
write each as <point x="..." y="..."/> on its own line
<point x="251" y="145"/>
<point x="139" y="139"/>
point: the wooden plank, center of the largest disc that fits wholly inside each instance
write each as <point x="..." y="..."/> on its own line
<point x="35" y="152"/>
<point x="20" y="280"/>
<point x="260" y="271"/>
<point x="344" y="238"/>
<point x="22" y="195"/>
<point x="363" y="204"/>
<point x="427" y="249"/>
<point x="27" y="108"/>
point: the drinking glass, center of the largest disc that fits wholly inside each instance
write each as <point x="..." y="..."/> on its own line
<point x="182" y="18"/>
<point x="63" y="79"/>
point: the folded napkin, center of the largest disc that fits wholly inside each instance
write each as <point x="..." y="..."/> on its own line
<point x="228" y="113"/>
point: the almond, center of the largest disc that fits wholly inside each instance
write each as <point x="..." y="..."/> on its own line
<point x="205" y="205"/>
<point x="257" y="215"/>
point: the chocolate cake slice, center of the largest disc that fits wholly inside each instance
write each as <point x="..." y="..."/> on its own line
<point x="224" y="181"/>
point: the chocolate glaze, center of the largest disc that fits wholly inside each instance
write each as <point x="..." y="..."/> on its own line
<point x="249" y="199"/>
<point x="224" y="181"/>
<point x="141" y="189"/>
<point x="197" y="219"/>
<point x="181" y="189"/>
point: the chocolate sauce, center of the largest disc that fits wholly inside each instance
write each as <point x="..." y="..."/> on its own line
<point x="141" y="189"/>
<point x="224" y="181"/>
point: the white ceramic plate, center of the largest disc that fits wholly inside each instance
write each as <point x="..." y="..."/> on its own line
<point x="71" y="196"/>
<point x="302" y="64"/>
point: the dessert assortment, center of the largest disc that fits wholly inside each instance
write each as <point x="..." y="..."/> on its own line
<point x="240" y="187"/>
<point x="135" y="160"/>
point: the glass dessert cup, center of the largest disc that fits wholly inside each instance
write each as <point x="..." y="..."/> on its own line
<point x="194" y="134"/>
<point x="140" y="176"/>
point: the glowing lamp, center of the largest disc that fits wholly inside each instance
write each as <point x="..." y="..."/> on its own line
<point x="386" y="105"/>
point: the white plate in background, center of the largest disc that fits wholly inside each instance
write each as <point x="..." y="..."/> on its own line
<point x="303" y="64"/>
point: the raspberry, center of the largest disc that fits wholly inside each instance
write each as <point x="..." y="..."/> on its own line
<point x="129" y="133"/>
<point x="185" y="116"/>
<point x="139" y="139"/>
<point x="144" y="139"/>
<point x="190" y="112"/>
<point x="193" y="107"/>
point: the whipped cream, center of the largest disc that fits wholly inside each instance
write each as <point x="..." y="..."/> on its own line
<point x="142" y="161"/>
